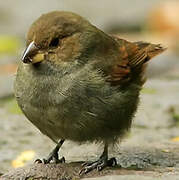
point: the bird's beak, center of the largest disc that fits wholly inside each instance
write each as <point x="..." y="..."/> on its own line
<point x="32" y="55"/>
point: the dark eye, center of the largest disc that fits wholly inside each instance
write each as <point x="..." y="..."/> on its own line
<point x="54" y="42"/>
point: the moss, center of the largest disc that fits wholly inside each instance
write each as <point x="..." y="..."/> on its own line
<point x="3" y="142"/>
<point x="29" y="178"/>
<point x="24" y="141"/>
<point x="13" y="107"/>
<point x="148" y="91"/>
<point x="174" y="115"/>
<point x="10" y="104"/>
<point x="176" y="119"/>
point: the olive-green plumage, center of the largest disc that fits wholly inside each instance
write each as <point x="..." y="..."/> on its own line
<point x="86" y="85"/>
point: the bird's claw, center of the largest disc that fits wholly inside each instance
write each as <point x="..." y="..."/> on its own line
<point x="99" y="165"/>
<point x="53" y="156"/>
<point x="38" y="161"/>
<point x="48" y="160"/>
<point x="112" y="162"/>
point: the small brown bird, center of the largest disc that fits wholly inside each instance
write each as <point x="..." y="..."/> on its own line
<point x="76" y="82"/>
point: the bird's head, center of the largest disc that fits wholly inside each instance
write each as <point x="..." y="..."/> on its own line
<point x="61" y="37"/>
<point x="53" y="36"/>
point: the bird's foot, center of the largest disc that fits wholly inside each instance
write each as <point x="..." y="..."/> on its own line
<point x="52" y="157"/>
<point x="99" y="165"/>
<point x="47" y="161"/>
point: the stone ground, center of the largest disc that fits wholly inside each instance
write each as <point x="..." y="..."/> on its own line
<point x="149" y="151"/>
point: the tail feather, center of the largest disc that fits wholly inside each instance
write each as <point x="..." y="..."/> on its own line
<point x="146" y="51"/>
<point x="138" y="53"/>
<point x="132" y="60"/>
<point x="153" y="50"/>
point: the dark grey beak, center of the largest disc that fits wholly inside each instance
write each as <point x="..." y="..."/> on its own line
<point x="29" y="51"/>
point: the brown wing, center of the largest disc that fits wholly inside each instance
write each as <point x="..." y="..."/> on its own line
<point x="131" y="57"/>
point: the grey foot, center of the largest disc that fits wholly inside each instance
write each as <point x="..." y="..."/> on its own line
<point x="51" y="159"/>
<point x="53" y="156"/>
<point x="99" y="165"/>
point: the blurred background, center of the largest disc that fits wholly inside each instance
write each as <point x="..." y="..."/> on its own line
<point x="155" y="21"/>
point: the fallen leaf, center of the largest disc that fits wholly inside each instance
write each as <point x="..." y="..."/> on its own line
<point x="175" y="139"/>
<point x="166" y="150"/>
<point x="23" y="158"/>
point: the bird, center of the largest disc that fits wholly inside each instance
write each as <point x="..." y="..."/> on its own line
<point x="76" y="82"/>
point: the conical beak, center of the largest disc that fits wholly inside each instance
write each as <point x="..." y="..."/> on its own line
<point x="32" y="54"/>
<point x="29" y="52"/>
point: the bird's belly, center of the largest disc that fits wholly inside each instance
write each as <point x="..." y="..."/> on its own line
<point x="48" y="120"/>
<point x="73" y="120"/>
<point x="79" y="113"/>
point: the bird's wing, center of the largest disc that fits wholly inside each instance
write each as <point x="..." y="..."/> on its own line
<point x="132" y="56"/>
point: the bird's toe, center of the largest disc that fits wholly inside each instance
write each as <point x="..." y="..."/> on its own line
<point x="98" y="165"/>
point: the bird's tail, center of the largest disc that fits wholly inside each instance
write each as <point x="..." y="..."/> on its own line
<point x="146" y="52"/>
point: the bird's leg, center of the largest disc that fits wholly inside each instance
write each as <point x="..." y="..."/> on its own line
<point x="101" y="163"/>
<point x="53" y="155"/>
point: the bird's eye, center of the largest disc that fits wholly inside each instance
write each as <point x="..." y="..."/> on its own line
<point x="54" y="42"/>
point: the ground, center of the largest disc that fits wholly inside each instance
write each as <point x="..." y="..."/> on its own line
<point x="149" y="151"/>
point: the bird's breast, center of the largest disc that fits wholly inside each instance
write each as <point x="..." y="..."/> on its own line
<point x="79" y="106"/>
